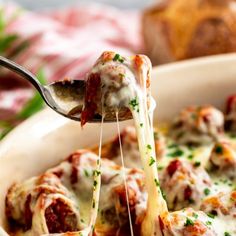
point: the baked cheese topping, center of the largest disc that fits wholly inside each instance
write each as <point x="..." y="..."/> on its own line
<point x="188" y="166"/>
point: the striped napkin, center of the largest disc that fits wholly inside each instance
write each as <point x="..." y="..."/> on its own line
<point x="57" y="44"/>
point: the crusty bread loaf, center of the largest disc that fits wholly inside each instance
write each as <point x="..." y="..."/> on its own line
<point x="181" y="29"/>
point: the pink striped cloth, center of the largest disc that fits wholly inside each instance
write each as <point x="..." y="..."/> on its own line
<point x="65" y="43"/>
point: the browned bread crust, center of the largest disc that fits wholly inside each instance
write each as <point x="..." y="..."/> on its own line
<point x="181" y="29"/>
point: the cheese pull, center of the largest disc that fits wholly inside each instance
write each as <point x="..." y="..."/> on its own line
<point x="121" y="85"/>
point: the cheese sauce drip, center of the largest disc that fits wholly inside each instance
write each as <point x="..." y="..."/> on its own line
<point x="124" y="175"/>
<point x="142" y="106"/>
<point x="96" y="186"/>
<point x="125" y="82"/>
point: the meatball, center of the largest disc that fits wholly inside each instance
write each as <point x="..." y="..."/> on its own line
<point x="224" y="203"/>
<point x="184" y="184"/>
<point x="112" y="86"/>
<point x="130" y="148"/>
<point x="186" y="222"/>
<point x="223" y="159"/>
<point x="230" y="117"/>
<point x="50" y="203"/>
<point x="113" y="202"/>
<point x="42" y="205"/>
<point x="197" y="125"/>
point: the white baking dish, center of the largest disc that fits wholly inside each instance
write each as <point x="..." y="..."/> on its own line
<point x="45" y="139"/>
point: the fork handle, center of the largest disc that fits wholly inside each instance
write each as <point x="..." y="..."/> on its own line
<point x="24" y="73"/>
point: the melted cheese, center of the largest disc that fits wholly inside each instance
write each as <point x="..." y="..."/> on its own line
<point x="133" y="92"/>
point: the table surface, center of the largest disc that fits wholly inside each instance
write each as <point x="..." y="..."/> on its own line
<point x="47" y="4"/>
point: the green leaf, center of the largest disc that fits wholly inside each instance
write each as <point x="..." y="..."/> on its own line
<point x="5" y="128"/>
<point x="2" y="21"/>
<point x="6" y="41"/>
<point x="18" y="49"/>
<point x="41" y="76"/>
<point x="36" y="103"/>
<point x="31" y="107"/>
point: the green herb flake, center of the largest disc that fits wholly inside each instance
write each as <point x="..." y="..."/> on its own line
<point x="191" y="201"/>
<point x="227" y="234"/>
<point x="96" y="173"/>
<point x="211" y="215"/>
<point x="189" y="222"/>
<point x="208" y="223"/>
<point x="121" y="75"/>
<point x="195" y="215"/>
<point x="160" y="167"/>
<point x="134" y="103"/>
<point x="156" y="182"/>
<point x="163" y="194"/>
<point x="152" y="161"/>
<point x="86" y="173"/>
<point x="95" y="184"/>
<point x="149" y="147"/>
<point x="141" y="124"/>
<point x="207" y="191"/>
<point x="219" y="150"/>
<point x="176" y="153"/>
<point x="172" y="146"/>
<point x="156" y="135"/>
<point x="190" y="157"/>
<point x="119" y="58"/>
<point x="197" y="163"/>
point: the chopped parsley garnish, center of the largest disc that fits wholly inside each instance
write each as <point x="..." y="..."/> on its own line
<point x="86" y="173"/>
<point x="141" y="124"/>
<point x="152" y="161"/>
<point x="197" y="163"/>
<point x="190" y="157"/>
<point x="207" y="191"/>
<point x="191" y="201"/>
<point x="160" y="167"/>
<point x="211" y="215"/>
<point x="208" y="223"/>
<point x="149" y="147"/>
<point x="119" y="58"/>
<point x="173" y="145"/>
<point x="227" y="234"/>
<point x="189" y="222"/>
<point x="96" y="173"/>
<point x="195" y="215"/>
<point x="121" y="75"/>
<point x="156" y="135"/>
<point x="157" y="182"/>
<point x="163" y="194"/>
<point x="218" y="150"/>
<point x="176" y="153"/>
<point x="134" y="103"/>
<point x="95" y="184"/>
